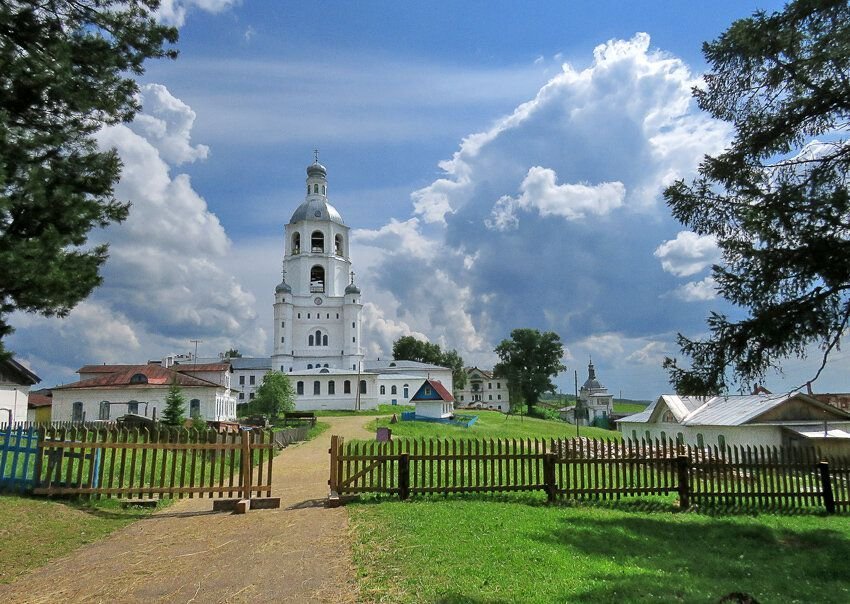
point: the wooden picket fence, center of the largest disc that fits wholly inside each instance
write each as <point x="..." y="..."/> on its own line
<point x="580" y="468"/>
<point x="105" y="461"/>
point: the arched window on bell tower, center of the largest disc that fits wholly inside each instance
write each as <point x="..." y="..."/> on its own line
<point x="317" y="242"/>
<point x="317" y="280"/>
<point x="338" y="245"/>
<point x="296" y="243"/>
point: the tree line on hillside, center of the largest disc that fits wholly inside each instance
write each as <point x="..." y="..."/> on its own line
<point x="529" y="359"/>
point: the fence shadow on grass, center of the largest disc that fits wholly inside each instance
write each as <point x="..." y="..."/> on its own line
<point x="676" y="561"/>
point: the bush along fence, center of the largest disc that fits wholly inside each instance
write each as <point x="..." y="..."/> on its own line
<point x="741" y="477"/>
<point x="99" y="461"/>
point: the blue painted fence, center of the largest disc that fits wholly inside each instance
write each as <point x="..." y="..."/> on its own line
<point x="18" y="453"/>
<point x="458" y="420"/>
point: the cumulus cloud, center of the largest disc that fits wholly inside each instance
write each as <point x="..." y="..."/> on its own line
<point x="698" y="291"/>
<point x="569" y="201"/>
<point x="173" y="12"/>
<point x="166" y="123"/>
<point x="551" y="218"/>
<point x="688" y="254"/>
<point x="164" y="281"/>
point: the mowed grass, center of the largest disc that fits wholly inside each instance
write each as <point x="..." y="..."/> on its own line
<point x="491" y="424"/>
<point x="478" y="550"/>
<point x="35" y="531"/>
<point x="628" y="408"/>
<point x="379" y="410"/>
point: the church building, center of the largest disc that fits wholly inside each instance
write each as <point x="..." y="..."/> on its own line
<point x="317" y="320"/>
<point x="316" y="313"/>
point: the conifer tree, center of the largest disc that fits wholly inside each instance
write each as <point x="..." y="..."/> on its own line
<point x="777" y="201"/>
<point x="67" y="69"/>
<point x="174" y="413"/>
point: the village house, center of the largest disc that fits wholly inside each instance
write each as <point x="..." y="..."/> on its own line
<point x="433" y="401"/>
<point x="15" y="383"/>
<point x="484" y="391"/>
<point x="106" y="392"/>
<point x="764" y="419"/>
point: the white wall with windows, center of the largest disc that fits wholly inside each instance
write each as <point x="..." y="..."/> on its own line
<point x="107" y="404"/>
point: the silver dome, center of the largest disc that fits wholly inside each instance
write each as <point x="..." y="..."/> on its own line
<point x="316" y="209"/>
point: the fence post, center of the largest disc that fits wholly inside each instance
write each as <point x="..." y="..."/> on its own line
<point x="549" y="476"/>
<point x="682" y="463"/>
<point x="245" y="475"/>
<point x="826" y="487"/>
<point x="404" y="476"/>
<point x="332" y="484"/>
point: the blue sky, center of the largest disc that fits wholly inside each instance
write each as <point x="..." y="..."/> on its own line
<point x="500" y="165"/>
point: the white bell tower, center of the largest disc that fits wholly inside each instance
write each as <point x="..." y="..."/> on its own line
<point x="317" y="306"/>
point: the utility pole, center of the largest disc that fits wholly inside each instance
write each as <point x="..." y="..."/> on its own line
<point x="195" y="356"/>
<point x="575" y="413"/>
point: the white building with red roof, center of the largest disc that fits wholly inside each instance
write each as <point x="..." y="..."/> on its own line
<point x="433" y="401"/>
<point x="106" y="392"/>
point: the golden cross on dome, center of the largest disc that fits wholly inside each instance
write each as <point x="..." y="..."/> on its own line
<point x="316" y="155"/>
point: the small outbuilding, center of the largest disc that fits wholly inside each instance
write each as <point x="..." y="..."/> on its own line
<point x="433" y="401"/>
<point x="764" y="419"/>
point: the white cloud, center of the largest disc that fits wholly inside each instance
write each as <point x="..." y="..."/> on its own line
<point x="688" y="254"/>
<point x="403" y="237"/>
<point x="698" y="291"/>
<point x="164" y="281"/>
<point x="166" y="123"/>
<point x="173" y="12"/>
<point x="569" y="201"/>
<point x="379" y="333"/>
<point x="631" y="109"/>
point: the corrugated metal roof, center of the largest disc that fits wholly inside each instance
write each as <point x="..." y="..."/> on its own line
<point x="641" y="416"/>
<point x="251" y="363"/>
<point x="730" y="410"/>
<point x="392" y="365"/>
<point x="201" y="367"/>
<point x="812" y="432"/>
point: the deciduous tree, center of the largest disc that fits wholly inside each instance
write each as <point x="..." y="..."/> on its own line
<point x="529" y="361"/>
<point x="66" y="70"/>
<point x="777" y="199"/>
<point x="275" y="395"/>
<point x="408" y="348"/>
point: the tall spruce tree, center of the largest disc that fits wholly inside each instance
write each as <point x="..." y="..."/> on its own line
<point x="777" y="200"/>
<point x="66" y="70"/>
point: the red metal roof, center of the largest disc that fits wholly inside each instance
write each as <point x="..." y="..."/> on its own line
<point x="39" y="400"/>
<point x="441" y="390"/>
<point x="156" y="376"/>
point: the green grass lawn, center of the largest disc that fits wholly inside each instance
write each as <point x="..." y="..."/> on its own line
<point x="628" y="407"/>
<point x="491" y="424"/>
<point x="379" y="410"/>
<point x="519" y="550"/>
<point x="34" y="531"/>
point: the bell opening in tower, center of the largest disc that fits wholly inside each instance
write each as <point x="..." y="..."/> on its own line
<point x="317" y="280"/>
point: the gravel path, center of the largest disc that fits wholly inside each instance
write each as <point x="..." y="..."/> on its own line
<point x="299" y="553"/>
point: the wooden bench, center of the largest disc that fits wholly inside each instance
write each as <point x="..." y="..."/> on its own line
<point x="299" y="417"/>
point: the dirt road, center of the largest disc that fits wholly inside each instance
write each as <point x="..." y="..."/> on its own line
<point x="299" y="553"/>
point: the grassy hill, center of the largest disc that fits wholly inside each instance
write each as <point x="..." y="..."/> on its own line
<point x="492" y="424"/>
